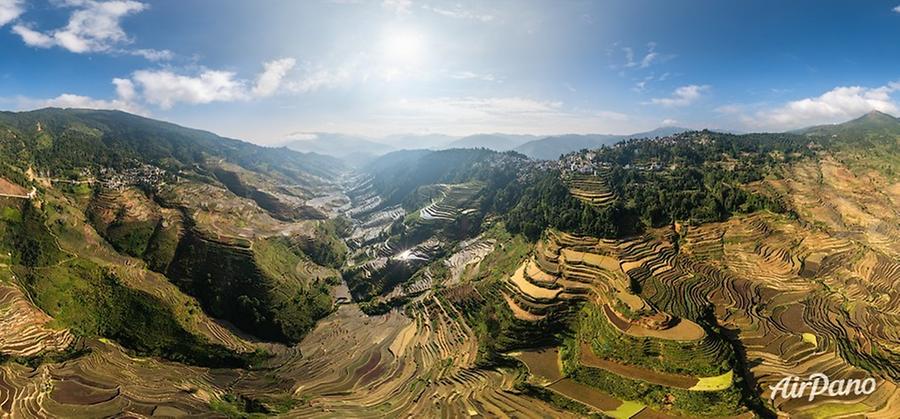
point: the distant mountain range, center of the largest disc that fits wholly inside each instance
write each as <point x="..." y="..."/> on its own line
<point x="358" y="148"/>
<point x="872" y="123"/>
<point x="550" y="148"/>
<point x="496" y="142"/>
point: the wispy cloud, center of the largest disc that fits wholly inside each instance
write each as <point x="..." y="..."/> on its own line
<point x="459" y="12"/>
<point x="469" y="75"/>
<point x="153" y="54"/>
<point x="682" y="96"/>
<point x="400" y="7"/>
<point x="649" y="58"/>
<point x="514" y="114"/>
<point x="629" y="57"/>
<point x="641" y="84"/>
<point x="615" y="116"/>
<point x="896" y="9"/>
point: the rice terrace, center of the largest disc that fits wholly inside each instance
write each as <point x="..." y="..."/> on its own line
<point x="429" y="218"/>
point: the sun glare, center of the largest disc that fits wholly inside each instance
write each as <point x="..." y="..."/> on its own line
<point x="403" y="47"/>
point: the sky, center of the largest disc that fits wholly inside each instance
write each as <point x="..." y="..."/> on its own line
<point x="274" y="70"/>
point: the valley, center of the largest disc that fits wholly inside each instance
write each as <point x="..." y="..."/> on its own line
<point x="176" y="273"/>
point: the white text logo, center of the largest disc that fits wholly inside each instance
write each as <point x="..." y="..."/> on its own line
<point x="818" y="384"/>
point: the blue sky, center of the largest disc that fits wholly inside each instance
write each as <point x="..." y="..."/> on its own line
<point x="266" y="71"/>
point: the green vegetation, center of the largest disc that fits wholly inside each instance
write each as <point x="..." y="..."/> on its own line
<point x="26" y="237"/>
<point x="546" y="202"/>
<point x="161" y="248"/>
<point x="399" y="174"/>
<point x="867" y="143"/>
<point x="73" y="352"/>
<point x="495" y="326"/>
<point x="696" y="177"/>
<point x="95" y="138"/>
<point x="260" y="290"/>
<point x="364" y="286"/>
<point x="92" y="301"/>
<point x="705" y="403"/>
<point x="239" y="407"/>
<point x="704" y="358"/>
<point x="555" y="399"/>
<point x="324" y="246"/>
<point x="131" y="238"/>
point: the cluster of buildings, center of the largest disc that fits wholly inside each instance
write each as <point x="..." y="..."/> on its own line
<point x="143" y="175"/>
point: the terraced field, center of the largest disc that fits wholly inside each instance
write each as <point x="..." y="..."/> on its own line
<point x="26" y="330"/>
<point x="591" y="189"/>
<point x="794" y="299"/>
<point x="427" y="305"/>
<point x="452" y="201"/>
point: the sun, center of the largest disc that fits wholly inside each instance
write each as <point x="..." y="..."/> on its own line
<point x="403" y="47"/>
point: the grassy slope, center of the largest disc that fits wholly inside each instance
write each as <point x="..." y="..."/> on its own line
<point x="91" y="300"/>
<point x="259" y="290"/>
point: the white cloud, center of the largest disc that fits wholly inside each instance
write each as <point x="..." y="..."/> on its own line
<point x="896" y="9"/>
<point x="474" y="108"/>
<point x="301" y="136"/>
<point x="271" y="78"/>
<point x="469" y="75"/>
<point x="458" y="12"/>
<point x="470" y="114"/>
<point x="650" y="57"/>
<point x="32" y="37"/>
<point x="165" y="88"/>
<point x="125" y="89"/>
<point x="629" y="57"/>
<point x="153" y="54"/>
<point x="836" y="105"/>
<point x="10" y="10"/>
<point x="731" y="109"/>
<point x="669" y="122"/>
<point x="400" y="7"/>
<point x="616" y="116"/>
<point x="124" y="101"/>
<point x="682" y="96"/>
<point x="320" y="77"/>
<point x="93" y="26"/>
<point x="68" y="100"/>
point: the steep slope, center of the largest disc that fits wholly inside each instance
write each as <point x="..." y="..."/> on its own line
<point x="679" y="276"/>
<point x="226" y="221"/>
<point x="867" y="143"/>
<point x="63" y="139"/>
